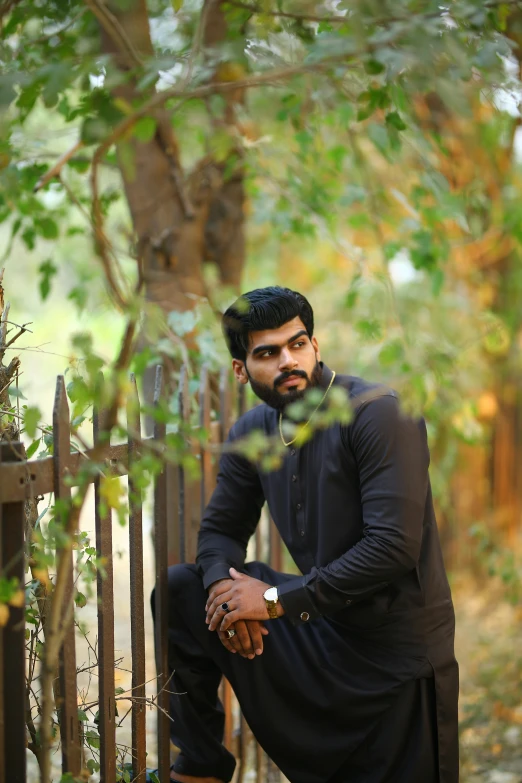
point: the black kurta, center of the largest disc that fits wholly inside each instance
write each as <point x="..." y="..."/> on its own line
<point x="373" y="608"/>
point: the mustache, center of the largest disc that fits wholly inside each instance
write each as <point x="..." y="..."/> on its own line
<point x="286" y="375"/>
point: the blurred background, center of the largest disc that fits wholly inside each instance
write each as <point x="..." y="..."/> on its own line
<point x="157" y="158"/>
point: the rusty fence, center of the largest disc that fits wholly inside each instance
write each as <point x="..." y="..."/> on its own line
<point x="178" y="504"/>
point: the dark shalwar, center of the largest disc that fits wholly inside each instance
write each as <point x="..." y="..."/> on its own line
<point x="358" y="681"/>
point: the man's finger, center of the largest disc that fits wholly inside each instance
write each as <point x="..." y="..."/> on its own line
<point x="215" y="619"/>
<point x="244" y="637"/>
<point x="226" y="642"/>
<point x="215" y="607"/>
<point x="255" y="637"/>
<point x="229" y="619"/>
<point x="221" y="587"/>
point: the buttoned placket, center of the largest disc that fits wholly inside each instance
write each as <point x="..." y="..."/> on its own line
<point x="296" y="498"/>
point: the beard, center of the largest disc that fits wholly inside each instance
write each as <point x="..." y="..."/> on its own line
<point x="272" y="397"/>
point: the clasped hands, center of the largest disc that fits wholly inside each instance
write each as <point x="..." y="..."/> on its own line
<point x="247" y="611"/>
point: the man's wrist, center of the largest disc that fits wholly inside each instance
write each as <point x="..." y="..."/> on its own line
<point x="223" y="579"/>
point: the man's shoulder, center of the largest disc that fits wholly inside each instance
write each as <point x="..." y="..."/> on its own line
<point x="361" y="392"/>
<point x="260" y="417"/>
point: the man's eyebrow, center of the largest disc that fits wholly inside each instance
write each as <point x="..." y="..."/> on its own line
<point x="263" y="348"/>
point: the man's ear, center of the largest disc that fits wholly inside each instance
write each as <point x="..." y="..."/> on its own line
<point x="316" y="348"/>
<point x="240" y="370"/>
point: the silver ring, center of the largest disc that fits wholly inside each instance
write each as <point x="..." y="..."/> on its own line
<point x="230" y="633"/>
<point x="225" y="607"/>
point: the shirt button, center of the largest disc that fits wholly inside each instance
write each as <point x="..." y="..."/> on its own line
<point x="301" y="532"/>
<point x="348" y="602"/>
<point x="294" y="477"/>
<point x="292" y="452"/>
<point x="299" y="507"/>
<point x="305" y="616"/>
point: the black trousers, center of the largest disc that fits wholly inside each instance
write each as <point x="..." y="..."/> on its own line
<point x="282" y="697"/>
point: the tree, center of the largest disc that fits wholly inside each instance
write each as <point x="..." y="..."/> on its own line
<point x="371" y="129"/>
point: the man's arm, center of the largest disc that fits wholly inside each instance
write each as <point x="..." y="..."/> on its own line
<point x="231" y="516"/>
<point x="392" y="458"/>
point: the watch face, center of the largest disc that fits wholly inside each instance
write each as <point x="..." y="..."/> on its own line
<point x="271" y="594"/>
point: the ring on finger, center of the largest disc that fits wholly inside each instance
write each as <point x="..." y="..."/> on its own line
<point x="225" y="607"/>
<point x="230" y="633"/>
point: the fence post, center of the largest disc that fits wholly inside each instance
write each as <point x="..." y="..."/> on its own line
<point x="184" y="416"/>
<point x="204" y="423"/>
<point x="68" y="701"/>
<point x="161" y="592"/>
<point x="12" y="638"/>
<point x="105" y="596"/>
<point x="136" y="596"/>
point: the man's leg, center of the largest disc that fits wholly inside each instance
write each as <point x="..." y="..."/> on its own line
<point x="197" y="715"/>
<point x="403" y="747"/>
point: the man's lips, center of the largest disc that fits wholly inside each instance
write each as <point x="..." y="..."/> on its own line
<point x="291" y="381"/>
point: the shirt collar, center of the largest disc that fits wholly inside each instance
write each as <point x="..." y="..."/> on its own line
<point x="326" y="377"/>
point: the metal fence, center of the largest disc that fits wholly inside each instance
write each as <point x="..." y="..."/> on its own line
<point x="178" y="504"/>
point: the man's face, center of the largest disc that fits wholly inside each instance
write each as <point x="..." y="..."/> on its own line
<point x="281" y="364"/>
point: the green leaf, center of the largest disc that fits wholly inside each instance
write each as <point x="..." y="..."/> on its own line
<point x="47" y="271"/>
<point x="46" y="227"/>
<point x="94" y="130"/>
<point x="391" y="353"/>
<point x="373" y="67"/>
<point x="31" y="419"/>
<point x="154" y="778"/>
<point x="93" y="739"/>
<point x="394" y="119"/>
<point x="15" y="391"/>
<point x="145" y="129"/>
<point x="82" y="715"/>
<point x="177" y="5"/>
<point x="33" y="448"/>
<point x="78" y="295"/>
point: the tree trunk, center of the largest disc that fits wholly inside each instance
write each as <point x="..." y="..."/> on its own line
<point x="180" y="221"/>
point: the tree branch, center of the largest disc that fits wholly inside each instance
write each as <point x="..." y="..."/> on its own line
<point x="113" y="28"/>
<point x="256" y="9"/>
<point x="55" y="170"/>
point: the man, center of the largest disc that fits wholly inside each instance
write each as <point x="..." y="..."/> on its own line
<point x="346" y="673"/>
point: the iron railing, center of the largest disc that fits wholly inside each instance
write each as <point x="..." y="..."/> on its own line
<point x="178" y="504"/>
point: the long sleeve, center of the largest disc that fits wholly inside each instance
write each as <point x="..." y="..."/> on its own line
<point x="392" y="458"/>
<point x="231" y="516"/>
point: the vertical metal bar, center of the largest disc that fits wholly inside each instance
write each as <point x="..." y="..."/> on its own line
<point x="276" y="554"/>
<point x="260" y="763"/>
<point x="227" y="704"/>
<point x="225" y="404"/>
<point x="241" y="399"/>
<point x="244" y="741"/>
<point x="184" y="415"/>
<point x="204" y="423"/>
<point x="68" y="703"/>
<point x="12" y="638"/>
<point x="105" y="595"/>
<point x="161" y="594"/>
<point x="136" y="595"/>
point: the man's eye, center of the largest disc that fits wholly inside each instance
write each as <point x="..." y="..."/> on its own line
<point x="299" y="344"/>
<point x="266" y="353"/>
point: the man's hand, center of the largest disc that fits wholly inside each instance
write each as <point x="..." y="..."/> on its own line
<point x="248" y="639"/>
<point x="244" y="596"/>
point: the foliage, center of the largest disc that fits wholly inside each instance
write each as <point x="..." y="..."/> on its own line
<point x="377" y="137"/>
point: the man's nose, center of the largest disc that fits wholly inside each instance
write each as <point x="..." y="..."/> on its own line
<point x="286" y="360"/>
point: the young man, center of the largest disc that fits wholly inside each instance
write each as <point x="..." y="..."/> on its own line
<point x="347" y="673"/>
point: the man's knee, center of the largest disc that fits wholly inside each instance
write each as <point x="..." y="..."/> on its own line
<point x="180" y="577"/>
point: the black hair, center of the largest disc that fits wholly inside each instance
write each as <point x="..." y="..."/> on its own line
<point x="263" y="308"/>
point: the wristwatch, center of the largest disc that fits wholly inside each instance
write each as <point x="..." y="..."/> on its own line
<point x="271" y="599"/>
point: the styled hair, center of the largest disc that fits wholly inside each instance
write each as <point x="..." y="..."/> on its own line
<point x="263" y="308"/>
